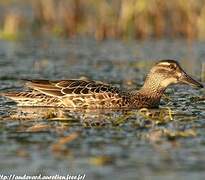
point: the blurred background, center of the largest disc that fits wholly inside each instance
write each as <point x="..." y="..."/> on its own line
<point x="120" y="19"/>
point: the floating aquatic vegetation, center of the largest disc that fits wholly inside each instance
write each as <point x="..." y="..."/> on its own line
<point x="174" y="134"/>
<point x="101" y="160"/>
<point x="39" y="127"/>
<point x="164" y="134"/>
<point x="159" y="116"/>
<point x="121" y="119"/>
<point x="59" y="146"/>
<point x="94" y="117"/>
<point x="22" y="153"/>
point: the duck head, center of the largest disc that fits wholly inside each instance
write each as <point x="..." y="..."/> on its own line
<point x="161" y="75"/>
<point x="167" y="72"/>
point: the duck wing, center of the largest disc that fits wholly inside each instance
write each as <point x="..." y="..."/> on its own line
<point x="62" y="88"/>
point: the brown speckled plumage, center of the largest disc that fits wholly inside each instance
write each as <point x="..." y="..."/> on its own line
<point x="94" y="94"/>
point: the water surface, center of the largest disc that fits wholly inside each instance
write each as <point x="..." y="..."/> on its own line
<point x="104" y="144"/>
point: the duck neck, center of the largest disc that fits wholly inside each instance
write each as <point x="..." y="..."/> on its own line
<point x="150" y="93"/>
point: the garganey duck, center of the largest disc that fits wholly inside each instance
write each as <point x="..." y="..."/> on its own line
<point x="94" y="94"/>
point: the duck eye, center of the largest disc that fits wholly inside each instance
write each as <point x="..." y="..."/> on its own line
<point x="172" y="66"/>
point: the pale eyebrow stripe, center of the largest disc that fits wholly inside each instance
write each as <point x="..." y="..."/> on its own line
<point x="162" y="66"/>
<point x="164" y="63"/>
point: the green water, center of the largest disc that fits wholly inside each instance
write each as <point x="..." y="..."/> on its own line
<point x="107" y="144"/>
